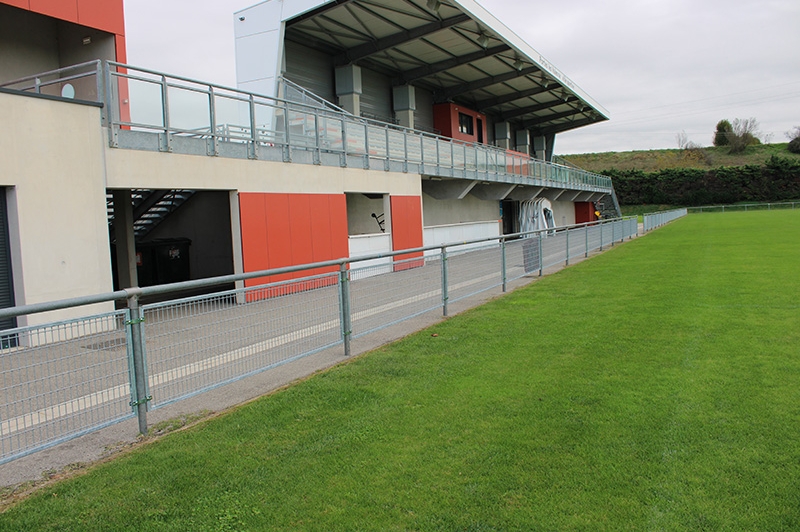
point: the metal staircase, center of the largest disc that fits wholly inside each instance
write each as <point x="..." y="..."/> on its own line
<point x="150" y="208"/>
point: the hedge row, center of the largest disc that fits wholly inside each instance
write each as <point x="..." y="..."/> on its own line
<point x="777" y="180"/>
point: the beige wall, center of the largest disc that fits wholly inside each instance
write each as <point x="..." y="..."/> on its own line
<point x="563" y="213"/>
<point x="145" y="169"/>
<point x="469" y="209"/>
<point x="52" y="162"/>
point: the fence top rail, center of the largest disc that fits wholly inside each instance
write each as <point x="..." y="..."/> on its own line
<point x="56" y="71"/>
<point x="136" y="292"/>
<point x="743" y="205"/>
<point x="656" y="213"/>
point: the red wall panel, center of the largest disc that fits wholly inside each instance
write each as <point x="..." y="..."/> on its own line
<point x="60" y="9"/>
<point x="106" y="15"/>
<point x="281" y="230"/>
<point x="406" y="227"/>
<point x="584" y="212"/>
<point x="24" y="4"/>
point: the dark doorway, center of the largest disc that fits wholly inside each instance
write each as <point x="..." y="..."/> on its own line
<point x="510" y="217"/>
<point x="480" y="131"/>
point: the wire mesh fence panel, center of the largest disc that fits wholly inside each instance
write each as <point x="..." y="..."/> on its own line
<point x="594" y="237"/>
<point x="198" y="343"/>
<point x="554" y="250"/>
<point x="474" y="271"/>
<point x="411" y="287"/>
<point x="522" y="257"/>
<point x="577" y="243"/>
<point x="61" y="380"/>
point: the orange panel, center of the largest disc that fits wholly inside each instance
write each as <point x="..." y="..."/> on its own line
<point x="24" y="4"/>
<point x="278" y="235"/>
<point x="122" y="52"/>
<point x="255" y="254"/>
<point x="320" y="227"/>
<point x="300" y="215"/>
<point x="407" y="227"/>
<point x="106" y="15"/>
<point x="60" y="9"/>
<point x="339" y="237"/>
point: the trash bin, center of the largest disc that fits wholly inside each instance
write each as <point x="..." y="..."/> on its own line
<point x="163" y="261"/>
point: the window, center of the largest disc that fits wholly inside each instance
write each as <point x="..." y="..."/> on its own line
<point x="465" y="124"/>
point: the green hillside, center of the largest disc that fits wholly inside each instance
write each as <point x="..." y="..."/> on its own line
<point x="702" y="158"/>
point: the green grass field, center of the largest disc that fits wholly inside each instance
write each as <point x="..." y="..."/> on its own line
<point x="654" y="387"/>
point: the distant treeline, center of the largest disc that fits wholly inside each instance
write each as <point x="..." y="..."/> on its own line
<point x="777" y="180"/>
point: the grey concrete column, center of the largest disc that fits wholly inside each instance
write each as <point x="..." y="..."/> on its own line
<point x="348" y="88"/>
<point x="523" y="139"/>
<point x="404" y="102"/>
<point x="540" y="147"/>
<point x="502" y="135"/>
<point x="126" y="243"/>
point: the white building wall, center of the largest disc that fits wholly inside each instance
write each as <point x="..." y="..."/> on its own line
<point x="52" y="162"/>
<point x="563" y="213"/>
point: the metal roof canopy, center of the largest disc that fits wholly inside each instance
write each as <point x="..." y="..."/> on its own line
<point x="455" y="49"/>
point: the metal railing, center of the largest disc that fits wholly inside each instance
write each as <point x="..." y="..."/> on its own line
<point x="745" y="207"/>
<point x="653" y="220"/>
<point x="63" y="379"/>
<point x="148" y="109"/>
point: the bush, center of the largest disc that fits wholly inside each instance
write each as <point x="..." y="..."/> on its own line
<point x="721" y="135"/>
<point x="794" y="145"/>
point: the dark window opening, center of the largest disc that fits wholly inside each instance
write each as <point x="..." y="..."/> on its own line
<point x="465" y="124"/>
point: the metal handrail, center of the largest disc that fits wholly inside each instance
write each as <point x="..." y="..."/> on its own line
<point x="481" y="156"/>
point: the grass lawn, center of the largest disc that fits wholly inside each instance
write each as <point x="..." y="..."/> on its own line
<point x="654" y="387"/>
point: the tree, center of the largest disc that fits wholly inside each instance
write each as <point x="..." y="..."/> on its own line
<point x="794" y="140"/>
<point x="745" y="133"/>
<point x="721" y="135"/>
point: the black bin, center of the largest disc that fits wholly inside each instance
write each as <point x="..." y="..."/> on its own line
<point x="162" y="261"/>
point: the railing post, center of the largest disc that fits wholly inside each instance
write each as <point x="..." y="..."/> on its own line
<point x="344" y="294"/>
<point x="445" y="288"/>
<point x="317" y="143"/>
<point x="405" y="150"/>
<point x="366" y="145"/>
<point x="567" y="261"/>
<point x="137" y="364"/>
<point x="388" y="149"/>
<point x="503" y="262"/>
<point x="288" y="156"/>
<point x="586" y="247"/>
<point x="213" y="148"/>
<point x="343" y="161"/>
<point x="602" y="229"/>
<point x="112" y="108"/>
<point x="541" y="258"/>
<point x="166" y="143"/>
<point x="253" y="129"/>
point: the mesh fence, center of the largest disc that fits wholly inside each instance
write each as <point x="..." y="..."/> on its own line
<point x="474" y="271"/>
<point x="387" y="294"/>
<point x="198" y="343"/>
<point x="60" y="380"/>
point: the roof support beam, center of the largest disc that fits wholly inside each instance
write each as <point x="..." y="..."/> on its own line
<point x="567" y="126"/>
<point x="518" y="95"/>
<point x="535" y="108"/>
<point x="445" y="95"/>
<point x="365" y="50"/>
<point x="447" y="64"/>
<point x="531" y="124"/>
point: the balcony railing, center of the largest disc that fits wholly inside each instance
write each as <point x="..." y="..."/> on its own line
<point x="151" y="110"/>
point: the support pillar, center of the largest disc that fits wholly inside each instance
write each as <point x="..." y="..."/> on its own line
<point x="126" y="244"/>
<point x="404" y="104"/>
<point x="540" y="147"/>
<point x="348" y="88"/>
<point x="502" y="135"/>
<point x="523" y="139"/>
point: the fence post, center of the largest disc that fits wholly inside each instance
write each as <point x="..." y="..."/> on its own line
<point x="139" y="385"/>
<point x="344" y="288"/>
<point x="503" y="262"/>
<point x="566" y="263"/>
<point x="602" y="229"/>
<point x="541" y="259"/>
<point x="445" y="290"/>
<point x="586" y="254"/>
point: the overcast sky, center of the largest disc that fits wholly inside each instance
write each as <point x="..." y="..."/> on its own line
<point x="659" y="67"/>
